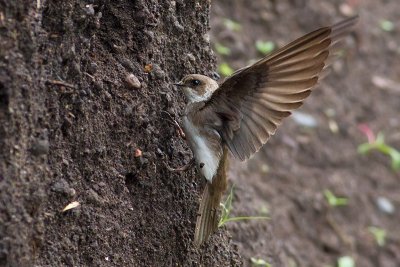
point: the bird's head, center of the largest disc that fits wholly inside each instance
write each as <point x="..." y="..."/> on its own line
<point x="197" y="87"/>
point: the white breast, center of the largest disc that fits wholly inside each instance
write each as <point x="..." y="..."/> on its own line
<point x="201" y="150"/>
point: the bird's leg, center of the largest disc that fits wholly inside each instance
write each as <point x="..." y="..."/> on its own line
<point x="181" y="134"/>
<point x="184" y="168"/>
<point x="179" y="129"/>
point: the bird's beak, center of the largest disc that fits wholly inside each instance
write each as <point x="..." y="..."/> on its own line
<point x="179" y="83"/>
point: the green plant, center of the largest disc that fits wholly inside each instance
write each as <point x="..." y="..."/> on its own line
<point x="378" y="144"/>
<point x="259" y="262"/>
<point x="387" y="25"/>
<point x="222" y="50"/>
<point x="226" y="212"/>
<point x="346" y="261"/>
<point x="333" y="200"/>
<point x="379" y="235"/>
<point x="225" y="69"/>
<point x="232" y="25"/>
<point x="264" y="209"/>
<point x="265" y="47"/>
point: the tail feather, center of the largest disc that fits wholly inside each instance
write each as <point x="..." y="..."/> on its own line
<point x="208" y="214"/>
<point x="207" y="220"/>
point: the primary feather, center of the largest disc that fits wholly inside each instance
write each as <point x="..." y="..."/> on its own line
<point x="265" y="92"/>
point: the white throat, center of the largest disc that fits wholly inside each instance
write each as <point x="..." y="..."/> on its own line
<point x="193" y="97"/>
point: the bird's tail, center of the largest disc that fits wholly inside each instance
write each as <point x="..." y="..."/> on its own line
<point x="208" y="214"/>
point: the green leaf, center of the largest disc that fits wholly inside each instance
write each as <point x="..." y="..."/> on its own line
<point x="222" y="50"/>
<point x="387" y="25"/>
<point x="380" y="138"/>
<point x="333" y="200"/>
<point x="265" y="47"/>
<point x="379" y="235"/>
<point x="364" y="148"/>
<point x="225" y="69"/>
<point x="395" y="155"/>
<point x="232" y="25"/>
<point x="264" y="210"/>
<point x="243" y="218"/>
<point x="259" y="262"/>
<point x="226" y="211"/>
<point x="346" y="261"/>
<point x="379" y="145"/>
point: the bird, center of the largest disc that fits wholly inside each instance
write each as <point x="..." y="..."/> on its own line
<point x="243" y="112"/>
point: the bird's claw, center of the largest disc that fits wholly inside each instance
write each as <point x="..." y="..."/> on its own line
<point x="184" y="168"/>
<point x="179" y="129"/>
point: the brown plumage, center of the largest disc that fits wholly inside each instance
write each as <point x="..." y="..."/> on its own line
<point x="242" y="113"/>
<point x="208" y="214"/>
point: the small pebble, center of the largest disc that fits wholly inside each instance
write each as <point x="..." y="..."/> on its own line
<point x="304" y="119"/>
<point x="346" y="10"/>
<point x="63" y="187"/>
<point x="158" y="72"/>
<point x="385" y="83"/>
<point x="264" y="168"/>
<point x="385" y="205"/>
<point x="333" y="126"/>
<point x="132" y="81"/>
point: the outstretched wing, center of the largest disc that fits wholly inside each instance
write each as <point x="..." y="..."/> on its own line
<point x="254" y="100"/>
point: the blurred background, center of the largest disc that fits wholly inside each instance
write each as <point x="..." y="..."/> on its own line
<point x="329" y="180"/>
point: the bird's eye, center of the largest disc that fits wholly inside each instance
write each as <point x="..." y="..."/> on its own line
<point x="195" y="82"/>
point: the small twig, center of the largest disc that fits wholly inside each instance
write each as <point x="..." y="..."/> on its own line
<point x="345" y="239"/>
<point x="91" y="76"/>
<point x="61" y="83"/>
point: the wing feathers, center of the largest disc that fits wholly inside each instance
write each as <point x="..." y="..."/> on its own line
<point x="262" y="121"/>
<point x="300" y="44"/>
<point x="258" y="122"/>
<point x="295" y="75"/>
<point x="300" y="65"/>
<point x="288" y="87"/>
<point x="302" y="54"/>
<point x="281" y="106"/>
<point x="278" y="98"/>
<point x="245" y="144"/>
<point x="263" y="94"/>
